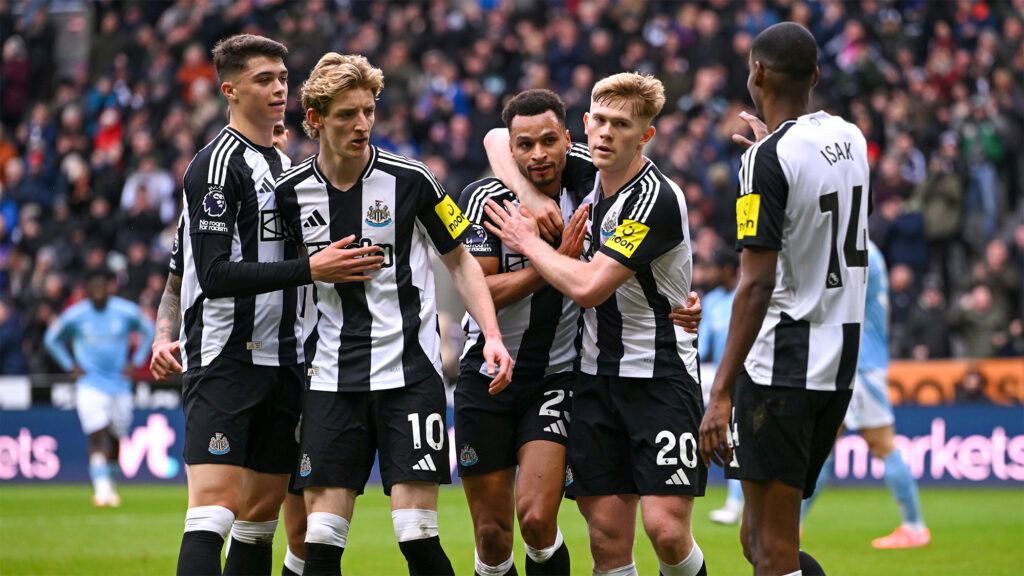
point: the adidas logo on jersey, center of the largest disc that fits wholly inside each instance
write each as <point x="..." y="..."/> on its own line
<point x="558" y="427"/>
<point x="305" y="467"/>
<point x="425" y="463"/>
<point x="219" y="444"/>
<point x="315" y="219"/>
<point x="678" y="478"/>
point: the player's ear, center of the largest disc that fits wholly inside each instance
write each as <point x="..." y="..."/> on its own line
<point x="648" y="134"/>
<point x="313" y="118"/>
<point x="228" y="90"/>
<point x="814" y="81"/>
<point x="568" y="139"/>
<point x="586" y="123"/>
<point x="759" y="73"/>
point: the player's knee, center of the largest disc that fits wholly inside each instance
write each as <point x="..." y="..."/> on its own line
<point x="493" y="538"/>
<point x="669" y="541"/>
<point x="538" y="527"/>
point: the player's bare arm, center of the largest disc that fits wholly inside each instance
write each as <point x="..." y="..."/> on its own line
<point x="472" y="287"/>
<point x="542" y="206"/>
<point x="587" y="283"/>
<point x="753" y="294"/>
<point x="509" y="287"/>
<point x="168" y="324"/>
<point x="688" y="316"/>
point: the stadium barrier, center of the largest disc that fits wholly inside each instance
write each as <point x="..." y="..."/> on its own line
<point x="944" y="445"/>
<point x="934" y="382"/>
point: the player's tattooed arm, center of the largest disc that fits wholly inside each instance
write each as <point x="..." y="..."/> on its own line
<point x="545" y="210"/>
<point x="168" y="324"/>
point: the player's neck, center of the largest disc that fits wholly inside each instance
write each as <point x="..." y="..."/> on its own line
<point x="778" y="110"/>
<point x="259" y="135"/>
<point x="613" y="180"/>
<point x="342" y="172"/>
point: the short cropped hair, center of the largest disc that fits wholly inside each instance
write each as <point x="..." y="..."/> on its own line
<point x="333" y="74"/>
<point x="644" y="93"/>
<point x="531" y="103"/>
<point x="786" y="48"/>
<point x="232" y="54"/>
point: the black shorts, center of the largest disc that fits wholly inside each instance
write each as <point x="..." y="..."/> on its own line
<point x="490" y="429"/>
<point x="636" y="436"/>
<point x="784" y="434"/>
<point x="242" y="414"/>
<point x="342" y="431"/>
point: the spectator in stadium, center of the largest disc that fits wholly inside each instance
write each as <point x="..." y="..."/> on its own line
<point x="870" y="415"/>
<point x="981" y="324"/>
<point x="927" y="328"/>
<point x="971" y="388"/>
<point x="99" y="331"/>
<point x="765" y="387"/>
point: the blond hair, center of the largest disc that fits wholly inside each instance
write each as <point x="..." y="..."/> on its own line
<point x="643" y="93"/>
<point x="333" y="74"/>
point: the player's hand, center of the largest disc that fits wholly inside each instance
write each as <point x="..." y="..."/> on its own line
<point x="760" y="130"/>
<point x="164" y="363"/>
<point x="547" y="213"/>
<point x="715" y="443"/>
<point x="338" y="263"/>
<point x="77" y="371"/>
<point x="499" y="365"/>
<point x="574" y="233"/>
<point x="688" y="317"/>
<point x="512" y="224"/>
<point x="128" y="371"/>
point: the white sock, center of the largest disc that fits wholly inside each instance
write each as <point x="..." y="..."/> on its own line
<point x="688" y="567"/>
<point x="216" y="519"/>
<point x="916" y="526"/>
<point x="326" y="528"/>
<point x="627" y="570"/>
<point x="487" y="570"/>
<point x="542" y="555"/>
<point x="255" y="533"/>
<point x="413" y="524"/>
<point x="293" y="562"/>
<point x="100" y="473"/>
<point x="797" y="573"/>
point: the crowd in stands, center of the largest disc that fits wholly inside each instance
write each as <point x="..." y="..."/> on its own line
<point x="94" y="143"/>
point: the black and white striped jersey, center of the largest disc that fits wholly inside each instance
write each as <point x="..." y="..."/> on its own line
<point x="803" y="191"/>
<point x="230" y="220"/>
<point x="382" y="333"/>
<point x="644" y="227"/>
<point x="540" y="330"/>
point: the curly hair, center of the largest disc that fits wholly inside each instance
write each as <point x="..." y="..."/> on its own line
<point x="333" y="74"/>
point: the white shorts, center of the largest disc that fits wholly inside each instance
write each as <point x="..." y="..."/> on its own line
<point x="98" y="410"/>
<point x="870" y="406"/>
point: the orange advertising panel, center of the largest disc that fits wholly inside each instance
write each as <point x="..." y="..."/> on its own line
<point x="934" y="382"/>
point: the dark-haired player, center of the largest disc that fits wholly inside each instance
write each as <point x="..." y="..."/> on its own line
<point x="527" y="425"/>
<point x="99" y="331"/>
<point x="785" y="376"/>
<point x="240" y="346"/>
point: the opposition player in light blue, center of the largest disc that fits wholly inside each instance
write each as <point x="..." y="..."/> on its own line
<point x="99" y="331"/>
<point x="870" y="414"/>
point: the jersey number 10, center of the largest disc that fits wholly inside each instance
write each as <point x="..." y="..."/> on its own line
<point x="855" y="258"/>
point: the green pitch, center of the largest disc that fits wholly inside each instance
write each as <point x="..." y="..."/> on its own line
<point x="55" y="530"/>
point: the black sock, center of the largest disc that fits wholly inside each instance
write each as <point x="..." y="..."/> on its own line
<point x="249" y="559"/>
<point x="323" y="560"/>
<point x="557" y="564"/>
<point x="809" y="566"/>
<point x="200" y="553"/>
<point x="425" y="557"/>
<point x="286" y="572"/>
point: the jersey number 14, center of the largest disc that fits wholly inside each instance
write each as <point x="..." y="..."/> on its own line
<point x="855" y="257"/>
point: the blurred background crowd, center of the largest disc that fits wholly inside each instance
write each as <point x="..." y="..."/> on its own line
<point x="104" y="104"/>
